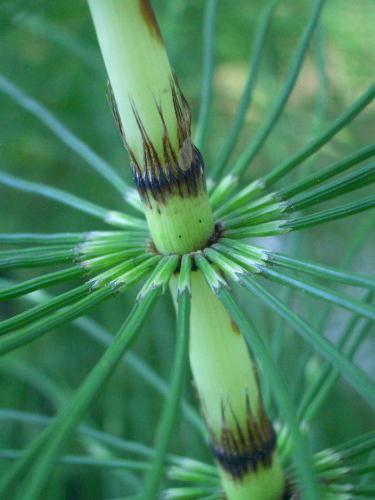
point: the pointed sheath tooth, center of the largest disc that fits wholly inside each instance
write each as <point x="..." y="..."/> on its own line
<point x="213" y="278"/>
<point x="160" y="276"/>
<point x="184" y="276"/>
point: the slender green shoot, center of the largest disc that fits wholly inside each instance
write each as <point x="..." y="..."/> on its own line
<point x="208" y="72"/>
<point x="62" y="133"/>
<point x="315" y="144"/>
<point x="86" y="461"/>
<point x="109" y="216"/>
<point x="362" y="177"/>
<point x="323" y="174"/>
<point x="331" y="214"/>
<point x="171" y="407"/>
<point x="348" y="370"/>
<point x="35" y="330"/>
<point x="322" y="271"/>
<point x="40" y="282"/>
<point x="272" y="118"/>
<point x="319" y="389"/>
<point x="52" y="440"/>
<point x="259" y="44"/>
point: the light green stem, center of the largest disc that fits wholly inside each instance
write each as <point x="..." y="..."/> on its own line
<point x="227" y="383"/>
<point x="154" y="121"/>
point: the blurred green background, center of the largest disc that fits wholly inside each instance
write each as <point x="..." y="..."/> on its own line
<point x="49" y="49"/>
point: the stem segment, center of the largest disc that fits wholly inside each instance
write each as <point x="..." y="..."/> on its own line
<point x="154" y="121"/>
<point x="242" y="438"/>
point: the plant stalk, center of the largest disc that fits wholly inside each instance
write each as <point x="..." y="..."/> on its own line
<point x="154" y="121"/>
<point x="243" y="440"/>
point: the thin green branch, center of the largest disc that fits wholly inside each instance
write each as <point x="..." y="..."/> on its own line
<point x="60" y="131"/>
<point x="98" y="237"/>
<point x="322" y="271"/>
<point x="330" y="214"/>
<point x="33" y="331"/>
<point x="208" y="71"/>
<point x="42" y="239"/>
<point x="51" y="441"/>
<point x="317" y="392"/>
<point x="91" y="328"/>
<point x="323" y="174"/>
<point x="273" y="116"/>
<point x="255" y="215"/>
<point x="220" y="192"/>
<point x="359" y="445"/>
<point x="326" y="294"/>
<point x="43" y="309"/>
<point x="109" y="216"/>
<point x="171" y="407"/>
<point x="160" y="276"/>
<point x="362" y="177"/>
<point x="265" y="229"/>
<point x="84" y="460"/>
<point x="117" y="278"/>
<point x="84" y="431"/>
<point x="315" y="144"/>
<point x="349" y="371"/>
<point x="245" y="196"/>
<point x="34" y="257"/>
<point x="40" y="282"/>
<point x="245" y="101"/>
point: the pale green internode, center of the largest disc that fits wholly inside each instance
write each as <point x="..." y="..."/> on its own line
<point x="227" y="383"/>
<point x="138" y="69"/>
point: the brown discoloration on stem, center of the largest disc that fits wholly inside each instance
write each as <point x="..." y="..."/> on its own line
<point x="234" y="326"/>
<point x="150" y="19"/>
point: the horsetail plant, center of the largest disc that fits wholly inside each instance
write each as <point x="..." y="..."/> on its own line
<point x="195" y="240"/>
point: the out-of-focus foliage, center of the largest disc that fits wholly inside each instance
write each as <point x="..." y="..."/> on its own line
<point x="49" y="49"/>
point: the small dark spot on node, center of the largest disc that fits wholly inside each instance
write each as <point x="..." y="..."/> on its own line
<point x="200" y="221"/>
<point x="179" y="236"/>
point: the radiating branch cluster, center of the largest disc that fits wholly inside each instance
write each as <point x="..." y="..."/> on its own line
<point x="98" y="265"/>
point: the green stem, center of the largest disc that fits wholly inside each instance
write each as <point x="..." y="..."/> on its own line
<point x="243" y="106"/>
<point x="154" y="121"/>
<point x="54" y="437"/>
<point x="272" y="118"/>
<point x="227" y="383"/>
<point x="208" y="71"/>
<point x="171" y="407"/>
